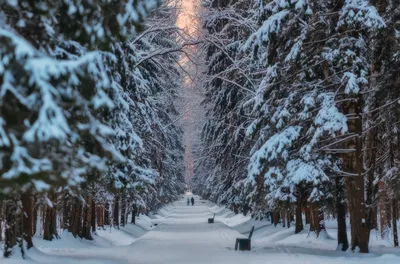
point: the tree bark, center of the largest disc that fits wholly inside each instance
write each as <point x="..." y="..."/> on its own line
<point x="1" y="220"/>
<point x="276" y="218"/>
<point x="66" y="211"/>
<point x="382" y="209"/>
<point x="388" y="211"/>
<point x="107" y="214"/>
<point x="93" y="224"/>
<point x="317" y="219"/>
<point x="116" y="212"/>
<point x="123" y="210"/>
<point x="27" y="220"/>
<point x="11" y="227"/>
<point x="343" y="242"/>
<point x="307" y="214"/>
<point x="74" y="217"/>
<point x="353" y="163"/>
<point x="50" y="223"/>
<point x="299" y="220"/>
<point x="87" y="219"/>
<point x="134" y="212"/>
<point x="35" y="215"/>
<point x="100" y="215"/>
<point x="394" y="217"/>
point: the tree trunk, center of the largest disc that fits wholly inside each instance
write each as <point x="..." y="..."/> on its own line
<point x="74" y="217"/>
<point x="107" y="214"/>
<point x="11" y="227"/>
<point x="307" y="214"/>
<point x="93" y="224"/>
<point x="1" y="220"/>
<point x="394" y="217"/>
<point x="123" y="209"/>
<point x="299" y="220"/>
<point x="134" y="212"/>
<point x="382" y="209"/>
<point x="276" y="218"/>
<point x="100" y="215"/>
<point x="27" y="216"/>
<point x="87" y="219"/>
<point x="343" y="242"/>
<point x="353" y="163"/>
<point x="116" y="212"/>
<point x="288" y="218"/>
<point x="388" y="211"/>
<point x="283" y="219"/>
<point x="50" y="224"/>
<point x="66" y="211"/>
<point x="317" y="219"/>
<point x="35" y="215"/>
<point x="371" y="188"/>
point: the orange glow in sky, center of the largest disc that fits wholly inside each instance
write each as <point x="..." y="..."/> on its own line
<point x="185" y="19"/>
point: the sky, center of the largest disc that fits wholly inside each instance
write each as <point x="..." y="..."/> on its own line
<point x="185" y="19"/>
<point x="193" y="113"/>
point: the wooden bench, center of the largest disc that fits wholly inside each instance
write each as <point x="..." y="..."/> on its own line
<point x="211" y="220"/>
<point x="244" y="243"/>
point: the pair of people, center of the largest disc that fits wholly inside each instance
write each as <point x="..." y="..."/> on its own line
<point x="190" y="200"/>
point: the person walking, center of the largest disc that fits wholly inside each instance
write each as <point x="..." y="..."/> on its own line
<point x="192" y="201"/>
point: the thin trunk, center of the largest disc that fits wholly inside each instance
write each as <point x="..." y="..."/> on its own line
<point x="382" y="209"/>
<point x="1" y="221"/>
<point x="80" y="220"/>
<point x="66" y="211"/>
<point x="299" y="220"/>
<point x="276" y="218"/>
<point x="123" y="209"/>
<point x="35" y="215"/>
<point x="343" y="242"/>
<point x="116" y="212"/>
<point x="288" y="217"/>
<point x="394" y="219"/>
<point x="107" y="214"/>
<point x="311" y="217"/>
<point x="27" y="216"/>
<point x="134" y="211"/>
<point x="388" y="211"/>
<point x="93" y="216"/>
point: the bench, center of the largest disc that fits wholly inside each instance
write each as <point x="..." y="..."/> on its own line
<point x="244" y="244"/>
<point x="211" y="220"/>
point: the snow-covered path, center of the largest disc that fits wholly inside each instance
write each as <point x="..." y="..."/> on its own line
<point x="185" y="237"/>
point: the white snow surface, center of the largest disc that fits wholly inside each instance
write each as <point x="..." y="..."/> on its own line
<point x="180" y="234"/>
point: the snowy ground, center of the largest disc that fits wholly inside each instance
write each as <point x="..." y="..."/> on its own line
<point x="184" y="236"/>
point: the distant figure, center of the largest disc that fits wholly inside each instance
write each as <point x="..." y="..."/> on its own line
<point x="188" y="201"/>
<point x="192" y="201"/>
